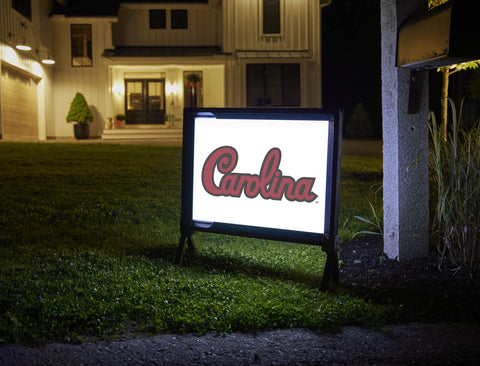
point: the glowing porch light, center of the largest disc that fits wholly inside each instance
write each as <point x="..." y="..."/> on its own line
<point x="172" y="89"/>
<point x="118" y="89"/>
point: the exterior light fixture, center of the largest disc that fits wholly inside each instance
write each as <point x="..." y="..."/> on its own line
<point x="118" y="89"/>
<point x="172" y="88"/>
<point x="47" y="60"/>
<point x="22" y="46"/>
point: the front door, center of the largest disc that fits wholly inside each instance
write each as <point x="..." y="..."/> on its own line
<point x="145" y="101"/>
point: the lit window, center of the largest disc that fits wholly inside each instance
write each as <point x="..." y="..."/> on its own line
<point x="192" y="89"/>
<point x="81" y="45"/>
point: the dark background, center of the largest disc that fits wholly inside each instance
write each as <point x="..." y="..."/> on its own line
<point x="351" y="58"/>
<point x="351" y="52"/>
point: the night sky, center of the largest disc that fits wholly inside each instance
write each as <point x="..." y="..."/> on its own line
<point x="351" y="58"/>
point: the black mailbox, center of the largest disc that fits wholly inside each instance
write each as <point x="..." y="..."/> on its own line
<point x="446" y="35"/>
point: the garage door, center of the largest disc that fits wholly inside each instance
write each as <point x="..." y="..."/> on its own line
<point x="19" y="105"/>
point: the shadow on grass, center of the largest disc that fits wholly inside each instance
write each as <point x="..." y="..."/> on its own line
<point x="217" y="262"/>
<point x="224" y="263"/>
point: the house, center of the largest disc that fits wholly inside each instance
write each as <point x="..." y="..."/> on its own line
<point x="147" y="60"/>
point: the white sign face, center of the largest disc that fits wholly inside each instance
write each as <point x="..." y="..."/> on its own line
<point x="264" y="173"/>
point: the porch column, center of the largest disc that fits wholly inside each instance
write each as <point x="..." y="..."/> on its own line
<point x="405" y="138"/>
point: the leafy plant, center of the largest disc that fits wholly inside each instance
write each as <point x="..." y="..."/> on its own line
<point x="375" y="222"/>
<point x="79" y="110"/>
<point x="455" y="170"/>
<point x="434" y="3"/>
<point x="446" y="72"/>
<point x="375" y="219"/>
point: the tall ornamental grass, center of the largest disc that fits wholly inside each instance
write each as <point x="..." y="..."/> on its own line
<point x="455" y="168"/>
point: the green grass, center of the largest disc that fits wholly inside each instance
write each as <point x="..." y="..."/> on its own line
<point x="88" y="234"/>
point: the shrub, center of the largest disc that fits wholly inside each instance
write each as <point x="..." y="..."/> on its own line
<point x="359" y="125"/>
<point x="455" y="167"/>
<point x="79" y="110"/>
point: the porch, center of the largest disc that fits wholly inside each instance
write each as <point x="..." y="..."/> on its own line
<point x="144" y="132"/>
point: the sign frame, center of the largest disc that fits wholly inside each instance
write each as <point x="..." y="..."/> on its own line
<point x="328" y="240"/>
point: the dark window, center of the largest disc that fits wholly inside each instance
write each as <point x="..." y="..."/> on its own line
<point x="273" y="85"/>
<point x="24" y="7"/>
<point x="271" y="16"/>
<point x="81" y="44"/>
<point x="179" y="19"/>
<point x="158" y="19"/>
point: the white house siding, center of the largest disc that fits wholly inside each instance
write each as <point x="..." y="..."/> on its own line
<point x="36" y="33"/>
<point x="301" y="24"/>
<point x="242" y="29"/>
<point x="133" y="27"/>
<point x="91" y="81"/>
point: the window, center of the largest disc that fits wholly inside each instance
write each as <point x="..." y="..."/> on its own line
<point x="24" y="7"/>
<point x="271" y="17"/>
<point x="273" y="85"/>
<point x="192" y="89"/>
<point x="158" y="19"/>
<point x="81" y="45"/>
<point x="179" y="19"/>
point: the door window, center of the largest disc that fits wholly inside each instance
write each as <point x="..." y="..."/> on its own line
<point x="145" y="101"/>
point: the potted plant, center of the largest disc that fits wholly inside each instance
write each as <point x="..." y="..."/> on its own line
<point x="81" y="115"/>
<point x="120" y="120"/>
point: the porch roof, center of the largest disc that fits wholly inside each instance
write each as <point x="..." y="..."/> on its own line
<point x="274" y="54"/>
<point x="163" y="51"/>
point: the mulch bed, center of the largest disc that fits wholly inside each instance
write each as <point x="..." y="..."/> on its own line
<point x="424" y="291"/>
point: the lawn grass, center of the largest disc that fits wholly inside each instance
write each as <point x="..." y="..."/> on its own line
<point x="88" y="234"/>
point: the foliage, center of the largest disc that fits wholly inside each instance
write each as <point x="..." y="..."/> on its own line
<point x="193" y="79"/>
<point x="375" y="222"/>
<point x="359" y="125"/>
<point x="79" y="264"/>
<point x="79" y="110"/>
<point x="446" y="72"/>
<point x="434" y="3"/>
<point x="361" y="184"/>
<point x="455" y="165"/>
<point x="120" y="117"/>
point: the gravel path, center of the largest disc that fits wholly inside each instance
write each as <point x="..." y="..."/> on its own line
<point x="405" y="344"/>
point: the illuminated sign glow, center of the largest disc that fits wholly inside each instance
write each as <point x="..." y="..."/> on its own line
<point x="265" y="173"/>
<point x="283" y="161"/>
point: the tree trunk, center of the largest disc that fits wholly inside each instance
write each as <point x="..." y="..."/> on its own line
<point x="444" y="98"/>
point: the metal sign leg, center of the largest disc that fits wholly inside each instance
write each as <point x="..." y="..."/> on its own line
<point x="185" y="242"/>
<point x="331" y="271"/>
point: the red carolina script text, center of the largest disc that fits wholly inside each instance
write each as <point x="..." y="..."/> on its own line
<point x="269" y="183"/>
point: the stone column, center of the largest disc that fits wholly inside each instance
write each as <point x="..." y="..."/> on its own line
<point x="405" y="144"/>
